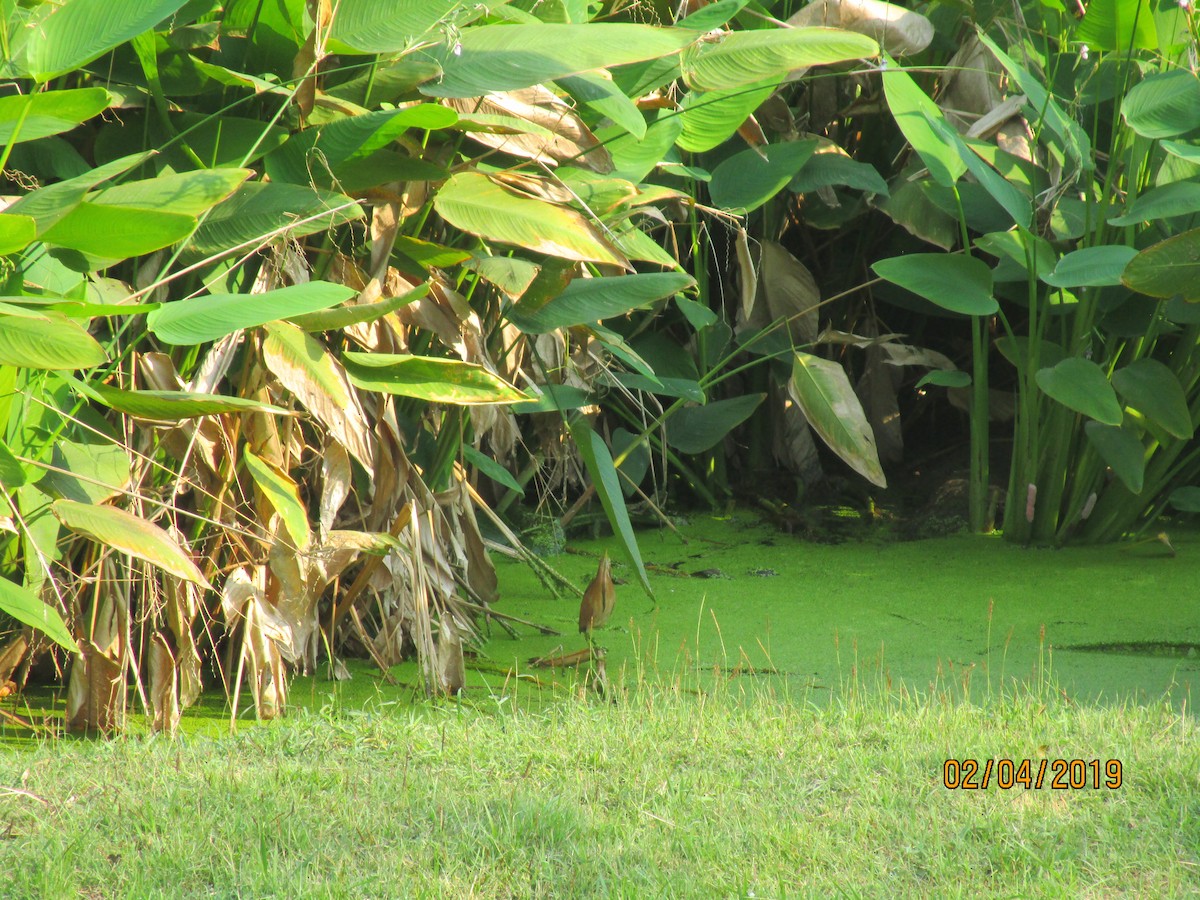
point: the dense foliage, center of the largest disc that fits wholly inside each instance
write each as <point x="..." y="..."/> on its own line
<point x="297" y="290"/>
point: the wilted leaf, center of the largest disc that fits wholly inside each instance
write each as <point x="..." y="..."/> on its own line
<point x="282" y="493"/>
<point x="898" y="30"/>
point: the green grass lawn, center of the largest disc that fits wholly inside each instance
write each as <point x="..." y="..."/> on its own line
<point x="658" y="792"/>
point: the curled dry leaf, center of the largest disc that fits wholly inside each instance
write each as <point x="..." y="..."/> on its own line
<point x="971" y="84"/>
<point x="164" y="687"/>
<point x="569" y="139"/>
<point x="748" y="273"/>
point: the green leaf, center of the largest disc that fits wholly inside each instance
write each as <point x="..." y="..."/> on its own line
<point x="495" y="58"/>
<point x="1080" y="385"/>
<point x="1167" y="268"/>
<point x="746" y="181"/>
<point x="367" y="26"/>
<point x="49" y="204"/>
<point x="914" y="112"/>
<point x="945" y="378"/>
<point x="27" y="608"/>
<point x="1153" y="390"/>
<point x="1181" y="198"/>
<point x="170" y="406"/>
<point x="599" y="93"/>
<point x="492" y="469"/>
<point x="118" y="232"/>
<point x="48" y="342"/>
<point x="555" y="398"/>
<point x="189" y="193"/>
<point x="474" y="203"/>
<point x="213" y="316"/>
<point x="30" y="117"/>
<point x="714" y="15"/>
<point x="741" y="58"/>
<point x="1122" y="25"/>
<point x="1186" y="499"/>
<point x="635" y="158"/>
<point x="1163" y="105"/>
<point x="345" y="316"/>
<point x="1091" y="267"/>
<point x="1122" y="450"/>
<point x="16" y="233"/>
<point x="710" y="118"/>
<point x="12" y="475"/>
<point x="283" y="495"/>
<point x="599" y="464"/>
<point x="127" y="533"/>
<point x="696" y="429"/>
<point x="826" y="169"/>
<point x="961" y="284"/>
<point x="79" y="31"/>
<point x="823" y="392"/>
<point x="257" y="211"/>
<point x="509" y="273"/>
<point x="588" y="300"/>
<point x="429" y="378"/>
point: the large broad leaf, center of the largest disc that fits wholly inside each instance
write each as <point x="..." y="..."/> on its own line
<point x="283" y="495"/>
<point x="16" y="233"/>
<point x="47" y="342"/>
<point x="28" y="117"/>
<point x="367" y="26"/>
<point x="741" y="58"/>
<point x="1181" y="198"/>
<point x="25" y="606"/>
<point x="1153" y="390"/>
<point x="213" y="316"/>
<point x="505" y="57"/>
<point x="12" y="474"/>
<point x="258" y="211"/>
<point x="118" y="232"/>
<point x="1186" y="499"/>
<point x="1122" y="450"/>
<point x="476" y="204"/>
<point x="588" y="300"/>
<point x="78" y="31"/>
<point x="429" y="378"/>
<point x="824" y="394"/>
<point x="913" y="112"/>
<point x="600" y="94"/>
<point x="127" y="533"/>
<point x="1091" y="267"/>
<point x="695" y="429"/>
<point x="711" y="117"/>
<point x="1081" y="385"/>
<point x="961" y="284"/>
<point x="189" y="193"/>
<point x="1118" y="25"/>
<point x="1167" y="268"/>
<point x="826" y="169"/>
<point x="49" y="204"/>
<point x="1163" y="105"/>
<point x="599" y="464"/>
<point x="634" y="158"/>
<point x="746" y="180"/>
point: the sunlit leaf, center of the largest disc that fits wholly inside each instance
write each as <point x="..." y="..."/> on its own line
<point x="741" y="58"/>
<point x="1163" y="104"/>
<point x="27" y="608"/>
<point x="824" y="394"/>
<point x="476" y="204"/>
<point x="127" y="533"/>
<point x="1091" y="266"/>
<point x="1167" y="268"/>
<point x="28" y="117"/>
<point x="1181" y="198"/>
<point x="213" y="316"/>
<point x="1118" y="25"/>
<point x="914" y="111"/>
<point x="429" y="378"/>
<point x="282" y="493"/>
<point x="16" y="233"/>
<point x="118" y="232"/>
<point x="169" y="406"/>
<point x="49" y="342"/>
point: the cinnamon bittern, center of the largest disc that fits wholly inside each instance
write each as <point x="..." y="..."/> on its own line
<point x="598" y="600"/>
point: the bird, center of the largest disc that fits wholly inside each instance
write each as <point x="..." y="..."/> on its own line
<point x="598" y="600"/>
